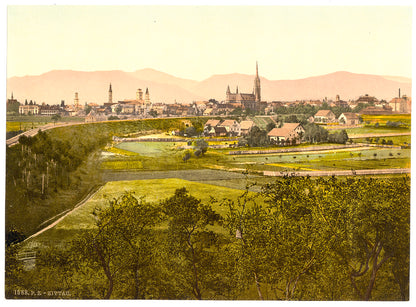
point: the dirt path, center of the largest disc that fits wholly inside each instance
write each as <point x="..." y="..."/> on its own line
<point x="82" y="202"/>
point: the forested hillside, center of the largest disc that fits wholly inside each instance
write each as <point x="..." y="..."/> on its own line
<point x="50" y="172"/>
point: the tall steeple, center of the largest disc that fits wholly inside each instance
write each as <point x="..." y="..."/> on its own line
<point x="147" y="96"/>
<point x="228" y="90"/>
<point x="257" y="88"/>
<point x="110" y="95"/>
<point x="236" y="90"/>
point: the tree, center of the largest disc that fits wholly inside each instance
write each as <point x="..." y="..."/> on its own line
<point x="189" y="242"/>
<point x="153" y="113"/>
<point x="257" y="137"/>
<point x="190" y="131"/>
<point x="340" y="137"/>
<point x="186" y="157"/>
<point x="315" y="133"/>
<point x="200" y="145"/>
<point x="122" y="243"/>
<point x="312" y="233"/>
<point x="291" y="119"/>
<point x="13" y="107"/>
<point x="373" y="229"/>
<point x="87" y="108"/>
<point x="56" y="117"/>
<point x="270" y="126"/>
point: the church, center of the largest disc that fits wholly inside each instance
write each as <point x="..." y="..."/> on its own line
<point x="247" y="101"/>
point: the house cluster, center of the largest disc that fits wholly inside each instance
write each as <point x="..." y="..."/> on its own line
<point x="328" y="117"/>
<point x="288" y="134"/>
<point x="228" y="127"/>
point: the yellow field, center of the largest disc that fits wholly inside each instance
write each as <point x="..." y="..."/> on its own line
<point x="382" y="119"/>
<point x="122" y="152"/>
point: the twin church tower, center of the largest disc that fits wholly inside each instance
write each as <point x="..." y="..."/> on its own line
<point x="247" y="100"/>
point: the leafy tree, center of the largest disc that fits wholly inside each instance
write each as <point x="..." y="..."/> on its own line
<point x="189" y="242"/>
<point x="326" y="238"/>
<point x="87" y="108"/>
<point x="270" y="126"/>
<point x="14" y="236"/>
<point x="237" y="111"/>
<point x="122" y="242"/>
<point x="315" y="133"/>
<point x="186" y="157"/>
<point x="190" y="131"/>
<point x="153" y="113"/>
<point x="56" y="117"/>
<point x="370" y="225"/>
<point x="200" y="145"/>
<point x="291" y="119"/>
<point x="340" y="137"/>
<point x="13" y="107"/>
<point x="257" y="137"/>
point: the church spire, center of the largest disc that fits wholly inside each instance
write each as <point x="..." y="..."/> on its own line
<point x="228" y="90"/>
<point x="236" y="90"/>
<point x="110" y="95"/>
<point x="257" y="84"/>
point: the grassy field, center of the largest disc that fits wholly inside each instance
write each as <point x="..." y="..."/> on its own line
<point x="149" y="149"/>
<point x="397" y="140"/>
<point x="382" y="119"/>
<point x="372" y="158"/>
<point x="161" y="156"/>
<point x="153" y="190"/>
<point x="24" y="126"/>
<point x="374" y="130"/>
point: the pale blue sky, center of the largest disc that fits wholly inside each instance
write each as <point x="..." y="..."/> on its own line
<point x="196" y="42"/>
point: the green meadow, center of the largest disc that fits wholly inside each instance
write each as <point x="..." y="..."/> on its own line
<point x="153" y="191"/>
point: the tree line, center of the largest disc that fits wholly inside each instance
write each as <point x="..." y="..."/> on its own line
<point x="299" y="239"/>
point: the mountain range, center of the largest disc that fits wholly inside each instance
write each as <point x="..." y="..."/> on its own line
<point x="57" y="85"/>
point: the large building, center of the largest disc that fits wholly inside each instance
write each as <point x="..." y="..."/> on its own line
<point x="245" y="100"/>
<point x="401" y="104"/>
<point x="29" y="109"/>
<point x="138" y="106"/>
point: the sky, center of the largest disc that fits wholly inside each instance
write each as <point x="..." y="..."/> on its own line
<point x="195" y="42"/>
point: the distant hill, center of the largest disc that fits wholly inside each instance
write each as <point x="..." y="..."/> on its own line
<point x="347" y="85"/>
<point x="57" y="85"/>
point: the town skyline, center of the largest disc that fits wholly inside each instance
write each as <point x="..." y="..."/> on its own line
<point x="195" y="42"/>
<point x="92" y="86"/>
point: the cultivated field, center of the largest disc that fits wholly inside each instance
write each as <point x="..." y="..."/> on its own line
<point x="159" y="156"/>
